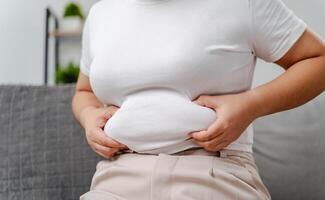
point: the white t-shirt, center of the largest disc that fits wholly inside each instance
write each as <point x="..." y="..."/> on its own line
<point x="152" y="58"/>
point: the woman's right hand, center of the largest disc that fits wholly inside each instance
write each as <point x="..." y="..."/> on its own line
<point x="94" y="119"/>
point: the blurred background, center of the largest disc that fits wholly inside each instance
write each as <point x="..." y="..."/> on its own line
<point x="24" y="46"/>
<point x="24" y="43"/>
<point x="44" y="156"/>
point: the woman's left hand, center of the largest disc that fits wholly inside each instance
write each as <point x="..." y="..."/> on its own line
<point x="234" y="113"/>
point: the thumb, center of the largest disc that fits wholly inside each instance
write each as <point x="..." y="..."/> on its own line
<point x="107" y="112"/>
<point x="207" y="101"/>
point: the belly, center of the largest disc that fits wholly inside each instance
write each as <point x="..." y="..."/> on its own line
<point x="156" y="118"/>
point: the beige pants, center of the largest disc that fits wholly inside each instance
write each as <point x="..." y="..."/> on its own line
<point x="193" y="174"/>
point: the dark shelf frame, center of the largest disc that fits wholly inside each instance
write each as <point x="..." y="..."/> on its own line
<point x="49" y="14"/>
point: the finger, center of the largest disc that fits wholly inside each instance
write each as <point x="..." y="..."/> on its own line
<point x="98" y="136"/>
<point x="105" y="151"/>
<point x="214" y="147"/>
<point x="114" y="108"/>
<point x="207" y="101"/>
<point x="125" y="147"/>
<point x="95" y="150"/>
<point x="101" y="154"/>
<point x="213" y="142"/>
<point x="108" y="112"/>
<point x="101" y="121"/>
<point x="220" y="146"/>
<point x="198" y="102"/>
<point x="213" y="131"/>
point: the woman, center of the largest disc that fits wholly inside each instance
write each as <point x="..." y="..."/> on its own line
<point x="165" y="95"/>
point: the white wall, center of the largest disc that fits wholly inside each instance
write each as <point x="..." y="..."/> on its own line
<point x="22" y="38"/>
<point x="313" y="13"/>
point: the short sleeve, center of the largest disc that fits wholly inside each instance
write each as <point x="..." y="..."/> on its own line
<point x="275" y="29"/>
<point x="86" y="57"/>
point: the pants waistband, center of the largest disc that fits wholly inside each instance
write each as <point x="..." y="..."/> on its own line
<point x="223" y="153"/>
<point x="193" y="150"/>
<point x="220" y="153"/>
<point x="202" y="151"/>
<point x="198" y="151"/>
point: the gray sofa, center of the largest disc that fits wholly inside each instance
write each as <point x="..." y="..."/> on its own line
<point x="44" y="155"/>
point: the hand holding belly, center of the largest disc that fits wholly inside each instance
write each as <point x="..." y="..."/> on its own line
<point x="157" y="118"/>
<point x="94" y="120"/>
<point x="235" y="113"/>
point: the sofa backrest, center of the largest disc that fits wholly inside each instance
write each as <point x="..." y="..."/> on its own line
<point x="44" y="154"/>
<point x="289" y="148"/>
<point x="43" y="151"/>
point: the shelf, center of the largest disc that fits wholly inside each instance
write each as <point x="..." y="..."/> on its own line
<point x="76" y="33"/>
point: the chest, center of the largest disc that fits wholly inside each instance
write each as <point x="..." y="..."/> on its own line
<point x="189" y="49"/>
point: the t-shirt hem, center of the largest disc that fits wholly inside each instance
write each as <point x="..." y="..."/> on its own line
<point x="187" y="144"/>
<point x="171" y="149"/>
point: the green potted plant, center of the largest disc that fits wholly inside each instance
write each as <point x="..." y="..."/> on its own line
<point x="73" y="18"/>
<point x="67" y="74"/>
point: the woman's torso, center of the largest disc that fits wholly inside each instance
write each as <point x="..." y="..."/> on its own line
<point x="153" y="57"/>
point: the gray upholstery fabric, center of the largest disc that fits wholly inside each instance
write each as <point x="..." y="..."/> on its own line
<point x="43" y="152"/>
<point x="289" y="149"/>
<point x="44" y="155"/>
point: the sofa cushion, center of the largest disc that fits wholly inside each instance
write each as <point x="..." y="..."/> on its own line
<point x="44" y="154"/>
<point x="289" y="148"/>
<point x="43" y="151"/>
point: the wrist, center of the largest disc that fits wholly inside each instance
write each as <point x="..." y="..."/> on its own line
<point x="255" y="104"/>
<point x="83" y="114"/>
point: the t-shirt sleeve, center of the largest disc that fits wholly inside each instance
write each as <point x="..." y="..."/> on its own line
<point x="86" y="57"/>
<point x="275" y="29"/>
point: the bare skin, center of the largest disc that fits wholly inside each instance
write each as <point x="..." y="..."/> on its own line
<point x="303" y="80"/>
<point x="92" y="116"/>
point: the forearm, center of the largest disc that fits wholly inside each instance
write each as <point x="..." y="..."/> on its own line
<point x="82" y="100"/>
<point x="300" y="83"/>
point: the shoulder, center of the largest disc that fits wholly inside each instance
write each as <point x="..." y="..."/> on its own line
<point x="100" y="7"/>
